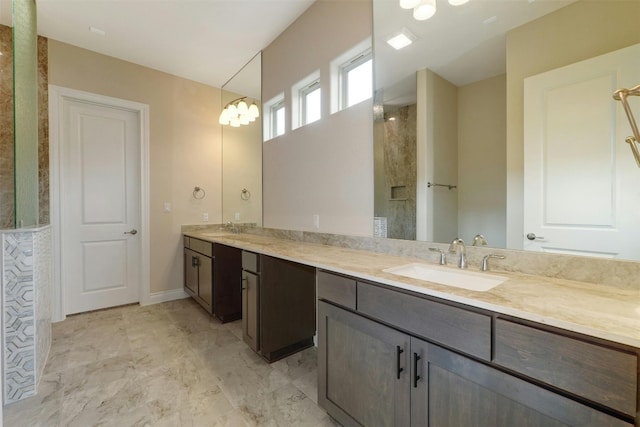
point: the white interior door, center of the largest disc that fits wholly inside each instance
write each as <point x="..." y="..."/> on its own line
<point x="582" y="187"/>
<point x="101" y="209"/>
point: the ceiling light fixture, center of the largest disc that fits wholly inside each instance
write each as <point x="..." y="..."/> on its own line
<point x="425" y="9"/>
<point x="401" y="39"/>
<point x="238" y="112"/>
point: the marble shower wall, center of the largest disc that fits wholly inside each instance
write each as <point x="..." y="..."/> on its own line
<point x="6" y="129"/>
<point x="26" y="283"/>
<point x="7" y="220"/>
<point x="43" y="129"/>
<point x="400" y="174"/>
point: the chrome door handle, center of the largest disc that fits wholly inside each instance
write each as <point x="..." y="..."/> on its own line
<point x="532" y="236"/>
<point x="133" y="232"/>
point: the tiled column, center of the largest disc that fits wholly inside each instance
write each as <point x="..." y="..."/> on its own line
<point x="26" y="281"/>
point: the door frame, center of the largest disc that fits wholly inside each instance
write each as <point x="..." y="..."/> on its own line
<point x="57" y="96"/>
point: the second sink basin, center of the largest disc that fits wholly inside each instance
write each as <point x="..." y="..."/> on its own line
<point x="458" y="278"/>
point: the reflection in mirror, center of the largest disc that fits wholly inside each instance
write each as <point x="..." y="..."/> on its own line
<point x="242" y="148"/>
<point x="449" y="120"/>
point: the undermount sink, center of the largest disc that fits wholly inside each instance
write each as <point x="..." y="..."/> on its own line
<point x="444" y="276"/>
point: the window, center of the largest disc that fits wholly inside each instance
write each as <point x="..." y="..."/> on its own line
<point x="274" y="117"/>
<point x="351" y="77"/>
<point x="310" y="103"/>
<point x="357" y="80"/>
<point x="277" y="115"/>
<point x="306" y="96"/>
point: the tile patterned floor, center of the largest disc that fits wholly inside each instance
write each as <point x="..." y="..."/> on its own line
<point x="169" y="365"/>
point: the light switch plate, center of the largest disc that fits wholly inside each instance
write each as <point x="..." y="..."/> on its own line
<point x="166" y="207"/>
<point x="316" y="221"/>
<point x="205" y="217"/>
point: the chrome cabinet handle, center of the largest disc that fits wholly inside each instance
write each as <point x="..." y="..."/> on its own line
<point x="532" y="236"/>
<point x="132" y="232"/>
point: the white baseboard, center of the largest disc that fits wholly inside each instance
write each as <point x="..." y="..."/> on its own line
<point x="165" y="296"/>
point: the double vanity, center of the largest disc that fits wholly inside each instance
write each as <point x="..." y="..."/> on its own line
<point x="403" y="341"/>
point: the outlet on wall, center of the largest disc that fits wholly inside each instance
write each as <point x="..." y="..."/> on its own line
<point x="316" y="220"/>
<point x="166" y="207"/>
<point x="237" y="216"/>
<point x="205" y="217"/>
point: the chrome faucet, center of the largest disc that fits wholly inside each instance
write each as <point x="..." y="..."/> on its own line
<point x="486" y="258"/>
<point x="457" y="246"/>
<point x="232" y="227"/>
<point x="443" y="255"/>
<point x="479" y="240"/>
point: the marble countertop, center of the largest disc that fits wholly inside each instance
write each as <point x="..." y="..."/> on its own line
<point x="604" y="312"/>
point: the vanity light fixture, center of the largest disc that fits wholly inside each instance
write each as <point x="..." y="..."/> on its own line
<point x="238" y="112"/>
<point x="401" y="39"/>
<point x="425" y="9"/>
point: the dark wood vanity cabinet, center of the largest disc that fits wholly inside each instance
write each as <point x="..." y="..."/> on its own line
<point x="198" y="271"/>
<point x="386" y="357"/>
<point x="287" y="307"/>
<point x="212" y="274"/>
<point x="278" y="302"/>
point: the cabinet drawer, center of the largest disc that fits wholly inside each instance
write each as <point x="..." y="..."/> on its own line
<point x="250" y="261"/>
<point x="201" y="246"/>
<point x="457" y="328"/>
<point x="601" y="374"/>
<point x="338" y="289"/>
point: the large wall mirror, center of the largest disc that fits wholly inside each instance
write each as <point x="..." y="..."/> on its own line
<point x="458" y="114"/>
<point x="242" y="148"/>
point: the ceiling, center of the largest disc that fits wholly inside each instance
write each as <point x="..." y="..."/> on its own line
<point x="207" y="41"/>
<point x="463" y="44"/>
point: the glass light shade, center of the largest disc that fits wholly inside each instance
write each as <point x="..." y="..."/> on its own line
<point x="425" y="10"/>
<point x="224" y="119"/>
<point x="254" y="111"/>
<point x="243" y="119"/>
<point x="457" y="2"/>
<point x="235" y="122"/>
<point x="243" y="108"/>
<point x="409" y="4"/>
<point x="232" y="110"/>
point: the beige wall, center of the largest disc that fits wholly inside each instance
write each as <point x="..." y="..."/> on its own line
<point x="325" y="168"/>
<point x="442" y="158"/>
<point x="580" y="31"/>
<point x="184" y="144"/>
<point x="481" y="160"/>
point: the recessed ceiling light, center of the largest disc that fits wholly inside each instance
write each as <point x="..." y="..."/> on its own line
<point x="97" y="31"/>
<point x="401" y="39"/>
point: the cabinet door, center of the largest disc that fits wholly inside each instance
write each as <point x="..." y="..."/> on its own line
<point x="250" y="307"/>
<point x="456" y="391"/>
<point x="363" y="371"/>
<point x="205" y="280"/>
<point x="190" y="272"/>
